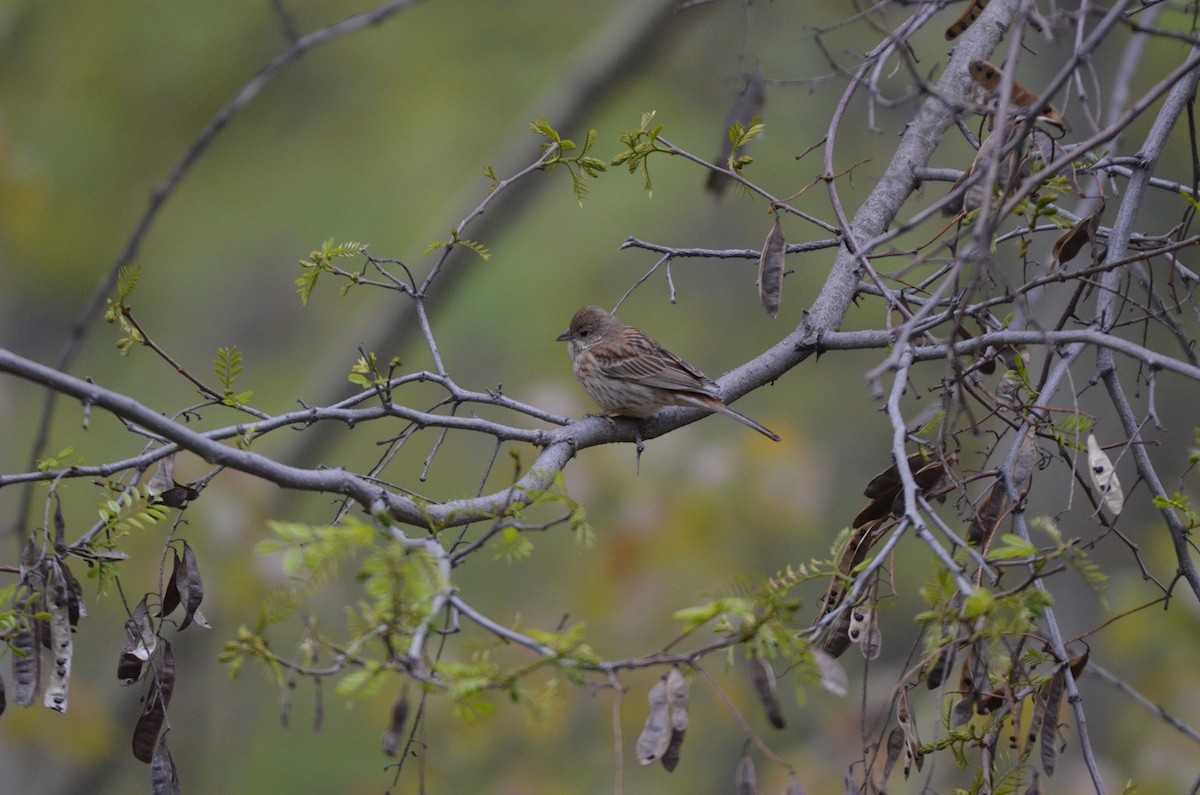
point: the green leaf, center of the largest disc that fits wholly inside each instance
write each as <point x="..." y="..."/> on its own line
<point x="227" y="366"/>
<point x="514" y="545"/>
<point x="978" y="603"/>
<point x="364" y="682"/>
<point x="1012" y="547"/>
<point x="455" y="240"/>
<point x="640" y="144"/>
<point x="321" y="261"/>
<point x="127" y="279"/>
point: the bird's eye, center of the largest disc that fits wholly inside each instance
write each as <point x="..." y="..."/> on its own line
<point x="583" y="332"/>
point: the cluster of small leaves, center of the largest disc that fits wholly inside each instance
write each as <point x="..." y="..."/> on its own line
<point x="60" y="460"/>
<point x="398" y="582"/>
<point x="567" y="644"/>
<point x="639" y="145"/>
<point x="227" y="366"/>
<point x="129" y="509"/>
<point x="320" y="261"/>
<point x="972" y="734"/>
<point x="474" y="245"/>
<point x="1070" y="430"/>
<point x="366" y="373"/>
<point x="991" y="616"/>
<point x="315" y="554"/>
<point x="468" y="682"/>
<point x="739" y="136"/>
<point x="132" y="509"/>
<point x="517" y="546"/>
<point x="250" y="645"/>
<point x="1044" y="205"/>
<point x="581" y="166"/>
<point x="118" y="311"/>
<point x="762" y="617"/>
<point x="1070" y="551"/>
<point x="17" y="614"/>
<point x="1178" y="502"/>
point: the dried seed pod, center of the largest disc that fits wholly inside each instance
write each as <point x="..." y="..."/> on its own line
<point x="677" y="700"/>
<point x="154" y="709"/>
<point x="974" y="682"/>
<point x="746" y="779"/>
<point x="395" y="730"/>
<point x="140" y="643"/>
<point x="794" y="787"/>
<point x="190" y="587"/>
<point x="907" y="723"/>
<point x="837" y="639"/>
<point x="1104" y="478"/>
<point x="30" y="634"/>
<point x="164" y="777"/>
<point x="770" y="269"/>
<point x="974" y="9"/>
<point x="860" y="617"/>
<point x="1067" y="247"/>
<point x="1024" y="462"/>
<point x="989" y="76"/>
<point x="60" y="527"/>
<point x="76" y="609"/>
<point x="149" y="724"/>
<point x="895" y="747"/>
<point x="31" y="557"/>
<point x="746" y="108"/>
<point x="876" y="510"/>
<point x="833" y="676"/>
<point x="886" y="489"/>
<point x="988" y="515"/>
<point x="963" y="711"/>
<point x="170" y="597"/>
<point x="61" y="650"/>
<point x="656" y="735"/>
<point x="941" y="665"/>
<point x="888" y="481"/>
<point x="163" y="477"/>
<point x="670" y="757"/>
<point x="163" y="485"/>
<point x="1051" y="694"/>
<point x="768" y="696"/>
<point x="871" y="641"/>
<point x="26" y="661"/>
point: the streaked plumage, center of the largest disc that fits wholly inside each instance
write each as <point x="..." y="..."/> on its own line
<point x="628" y="373"/>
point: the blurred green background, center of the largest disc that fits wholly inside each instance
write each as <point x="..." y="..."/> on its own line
<point x="382" y="137"/>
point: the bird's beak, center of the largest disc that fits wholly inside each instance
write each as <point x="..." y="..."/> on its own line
<point x="566" y="335"/>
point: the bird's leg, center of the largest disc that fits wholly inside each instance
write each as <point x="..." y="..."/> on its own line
<point x="637" y="437"/>
<point x="603" y="415"/>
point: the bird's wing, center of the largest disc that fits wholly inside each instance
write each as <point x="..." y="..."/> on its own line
<point x="653" y="365"/>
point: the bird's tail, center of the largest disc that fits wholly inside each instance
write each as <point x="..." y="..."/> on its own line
<point x="714" y="403"/>
<point x="744" y="420"/>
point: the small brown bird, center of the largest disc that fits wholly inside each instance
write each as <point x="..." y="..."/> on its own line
<point x="628" y="373"/>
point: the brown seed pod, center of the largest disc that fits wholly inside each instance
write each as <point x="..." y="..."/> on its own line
<point x="770" y="269"/>
<point x="768" y="696"/>
<point x="989" y="76"/>
<point x="652" y="743"/>
<point x="1104" y="479"/>
<point x="974" y="9"/>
